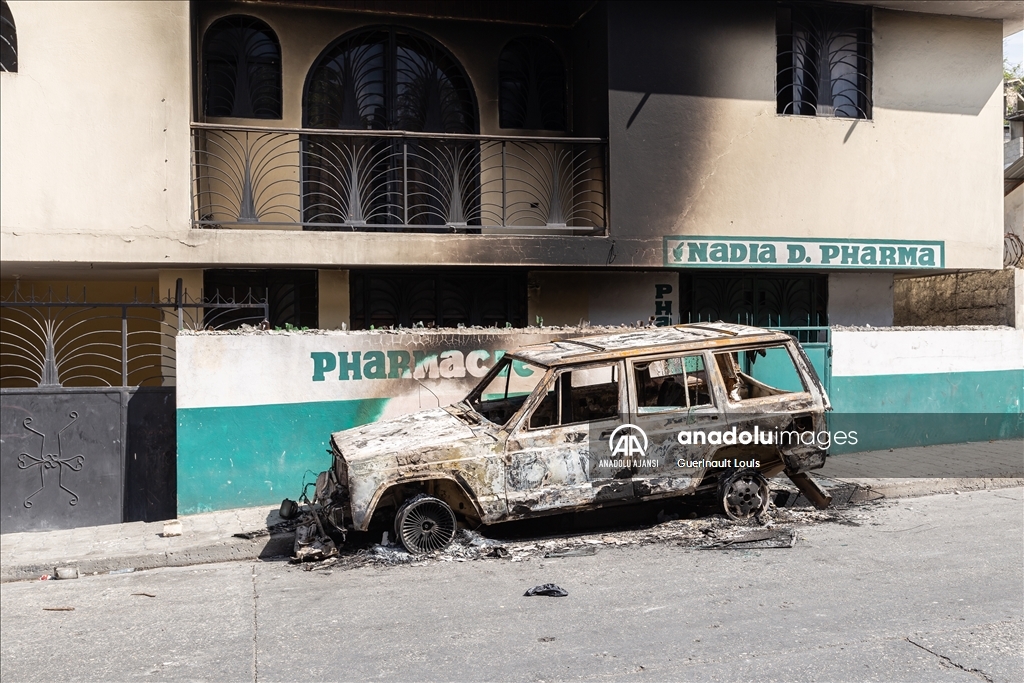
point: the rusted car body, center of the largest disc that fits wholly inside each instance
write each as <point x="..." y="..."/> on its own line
<point x="538" y="434"/>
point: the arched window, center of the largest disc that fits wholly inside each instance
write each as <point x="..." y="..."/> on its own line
<point x="532" y="86"/>
<point x="389" y="79"/>
<point x="241" y="69"/>
<point x="8" y="40"/>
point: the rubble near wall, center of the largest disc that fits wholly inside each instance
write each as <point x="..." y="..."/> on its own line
<point x="976" y="298"/>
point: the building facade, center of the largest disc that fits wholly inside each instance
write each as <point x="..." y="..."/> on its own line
<point x="361" y="164"/>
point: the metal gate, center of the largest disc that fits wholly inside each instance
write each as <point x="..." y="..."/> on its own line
<point x="87" y="406"/>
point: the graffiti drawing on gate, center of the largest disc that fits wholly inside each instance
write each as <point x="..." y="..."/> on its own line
<point x="48" y="461"/>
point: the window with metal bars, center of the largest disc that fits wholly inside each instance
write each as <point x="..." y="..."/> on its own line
<point x="532" y="86"/>
<point x="292" y="296"/>
<point x="823" y="60"/>
<point x="241" y="69"/>
<point x="8" y="39"/>
<point x="437" y="299"/>
<point x="389" y="78"/>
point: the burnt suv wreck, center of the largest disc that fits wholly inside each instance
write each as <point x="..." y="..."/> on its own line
<point x="714" y="409"/>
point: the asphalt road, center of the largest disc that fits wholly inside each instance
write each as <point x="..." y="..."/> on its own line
<point x="928" y="589"/>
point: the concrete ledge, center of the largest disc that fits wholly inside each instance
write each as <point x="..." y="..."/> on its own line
<point x="274" y="545"/>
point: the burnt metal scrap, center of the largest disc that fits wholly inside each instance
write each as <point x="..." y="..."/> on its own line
<point x="781" y="529"/>
<point x="708" y="409"/>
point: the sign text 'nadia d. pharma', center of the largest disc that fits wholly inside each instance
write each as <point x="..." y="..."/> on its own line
<point x="744" y="252"/>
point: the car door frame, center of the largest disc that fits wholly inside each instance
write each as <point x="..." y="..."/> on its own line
<point x="663" y="428"/>
<point x="569" y="449"/>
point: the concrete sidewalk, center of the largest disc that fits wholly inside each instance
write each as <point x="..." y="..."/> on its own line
<point x="209" y="537"/>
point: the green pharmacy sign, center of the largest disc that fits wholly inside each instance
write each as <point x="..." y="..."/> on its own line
<point x="785" y="252"/>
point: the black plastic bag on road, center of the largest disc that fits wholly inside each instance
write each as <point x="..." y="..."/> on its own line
<point x="548" y="589"/>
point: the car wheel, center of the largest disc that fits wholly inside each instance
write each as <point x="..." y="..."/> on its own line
<point x="425" y="524"/>
<point x="744" y="494"/>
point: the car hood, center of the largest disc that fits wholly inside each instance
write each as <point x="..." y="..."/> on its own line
<point x="414" y="433"/>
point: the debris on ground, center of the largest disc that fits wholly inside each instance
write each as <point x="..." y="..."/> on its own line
<point x="548" y="589"/>
<point x="572" y="552"/>
<point x="780" y="538"/>
<point x="172" y="528"/>
<point x="778" y="530"/>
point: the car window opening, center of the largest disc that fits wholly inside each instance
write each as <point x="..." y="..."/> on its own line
<point x="576" y="396"/>
<point x="506" y="389"/>
<point x="758" y="373"/>
<point x="677" y="383"/>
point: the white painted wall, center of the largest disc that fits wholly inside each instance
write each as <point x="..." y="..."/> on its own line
<point x="96" y="150"/>
<point x="95" y="128"/>
<point x="925" y="166"/>
<point x="1013" y="212"/>
<point x="603" y="298"/>
<point x="860" y="353"/>
<point x="269" y="368"/>
<point x="860" y="299"/>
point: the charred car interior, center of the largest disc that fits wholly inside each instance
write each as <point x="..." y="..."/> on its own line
<point x="706" y="409"/>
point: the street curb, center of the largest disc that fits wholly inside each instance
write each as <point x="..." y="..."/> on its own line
<point x="280" y="545"/>
<point x="926" y="487"/>
<point x="234" y="549"/>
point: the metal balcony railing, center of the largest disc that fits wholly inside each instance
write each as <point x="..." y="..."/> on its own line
<point x="311" y="179"/>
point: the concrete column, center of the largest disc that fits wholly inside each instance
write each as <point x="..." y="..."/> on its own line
<point x="860" y="299"/>
<point x="333" y="295"/>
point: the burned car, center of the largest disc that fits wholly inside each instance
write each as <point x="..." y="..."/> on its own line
<point x="716" y="409"/>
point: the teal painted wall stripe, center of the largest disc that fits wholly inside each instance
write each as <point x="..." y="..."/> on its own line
<point x="898" y="411"/>
<point x="230" y="457"/>
<point x="996" y="391"/>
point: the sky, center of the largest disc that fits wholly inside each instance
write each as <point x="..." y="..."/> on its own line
<point x="1013" y="48"/>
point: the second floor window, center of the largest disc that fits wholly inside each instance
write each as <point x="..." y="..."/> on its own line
<point x="824" y="60"/>
<point x="389" y="78"/>
<point x="241" y="69"/>
<point x="532" y="94"/>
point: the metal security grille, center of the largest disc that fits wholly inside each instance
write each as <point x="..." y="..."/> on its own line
<point x="389" y="79"/>
<point x="54" y="341"/>
<point x="396" y="181"/>
<point x="431" y="299"/>
<point x="781" y="301"/>
<point x="824" y="60"/>
<point x="241" y="69"/>
<point x="532" y="86"/>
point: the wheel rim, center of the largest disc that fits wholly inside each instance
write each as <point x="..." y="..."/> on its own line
<point x="427" y="526"/>
<point x="745" y="496"/>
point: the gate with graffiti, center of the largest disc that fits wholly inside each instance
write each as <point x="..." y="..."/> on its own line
<point x="87" y="406"/>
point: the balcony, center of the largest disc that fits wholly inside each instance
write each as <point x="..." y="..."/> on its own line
<point x="394" y="181"/>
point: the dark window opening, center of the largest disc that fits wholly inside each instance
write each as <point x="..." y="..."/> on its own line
<point x="532" y="91"/>
<point x="292" y="296"/>
<point x="241" y="69"/>
<point x="432" y="299"/>
<point x="750" y="299"/>
<point x="823" y="60"/>
<point x="8" y="39"/>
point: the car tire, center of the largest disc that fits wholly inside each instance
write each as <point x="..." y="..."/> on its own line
<point x="744" y="494"/>
<point x="425" y="524"/>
